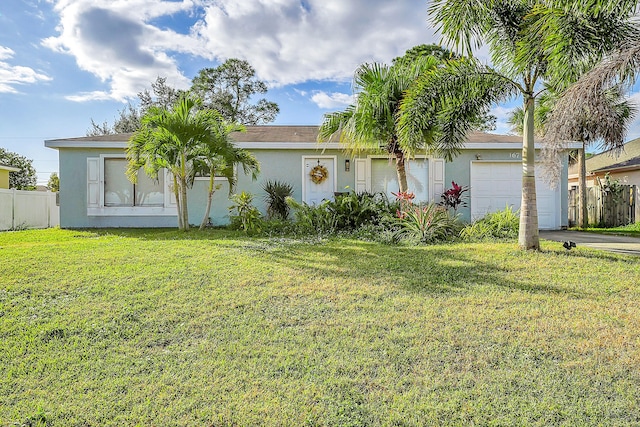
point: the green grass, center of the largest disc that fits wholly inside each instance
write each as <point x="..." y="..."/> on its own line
<point x="625" y="230"/>
<point x="214" y="329"/>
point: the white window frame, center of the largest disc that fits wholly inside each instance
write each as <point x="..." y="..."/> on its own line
<point x="169" y="208"/>
<point x="436" y="183"/>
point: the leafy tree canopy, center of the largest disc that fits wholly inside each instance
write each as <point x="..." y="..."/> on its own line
<point x="229" y="88"/>
<point x="25" y="178"/>
<point x="54" y="183"/>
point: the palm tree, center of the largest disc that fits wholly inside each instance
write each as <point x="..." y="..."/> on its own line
<point x="592" y="95"/>
<point x="217" y="155"/>
<point x="170" y="139"/>
<point x="531" y="42"/>
<point x="584" y="128"/>
<point x="370" y="123"/>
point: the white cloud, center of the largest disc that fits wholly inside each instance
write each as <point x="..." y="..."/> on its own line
<point x="331" y="100"/>
<point x="6" y="53"/>
<point x="292" y="41"/>
<point x="286" y="41"/>
<point x="13" y="75"/>
<point x="113" y="41"/>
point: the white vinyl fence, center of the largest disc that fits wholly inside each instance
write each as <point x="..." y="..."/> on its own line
<point x="28" y="209"/>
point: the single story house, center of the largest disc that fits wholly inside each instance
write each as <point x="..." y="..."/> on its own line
<point x="4" y="174"/>
<point x="621" y="165"/>
<point x="94" y="191"/>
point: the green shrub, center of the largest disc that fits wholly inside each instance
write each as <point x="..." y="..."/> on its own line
<point x="503" y="224"/>
<point x="312" y="219"/>
<point x="426" y="223"/>
<point x="246" y="217"/>
<point x="276" y="199"/>
<point x="347" y="213"/>
<point x="353" y="210"/>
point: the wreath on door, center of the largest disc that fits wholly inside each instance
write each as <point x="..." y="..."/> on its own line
<point x="319" y="174"/>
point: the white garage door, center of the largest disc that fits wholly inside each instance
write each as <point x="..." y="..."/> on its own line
<point x="495" y="185"/>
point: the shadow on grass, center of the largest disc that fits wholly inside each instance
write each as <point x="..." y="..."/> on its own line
<point x="438" y="269"/>
<point x="444" y="268"/>
<point x="164" y="233"/>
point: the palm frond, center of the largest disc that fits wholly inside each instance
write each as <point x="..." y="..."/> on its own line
<point x="443" y="107"/>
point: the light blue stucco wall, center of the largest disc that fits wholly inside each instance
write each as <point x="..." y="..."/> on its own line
<point x="73" y="195"/>
<point x="281" y="165"/>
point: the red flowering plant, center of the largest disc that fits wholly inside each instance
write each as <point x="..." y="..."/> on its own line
<point x="453" y="197"/>
<point x="405" y="198"/>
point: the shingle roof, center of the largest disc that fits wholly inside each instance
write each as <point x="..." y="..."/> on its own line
<point x="290" y="133"/>
<point x="608" y="160"/>
<point x="631" y="163"/>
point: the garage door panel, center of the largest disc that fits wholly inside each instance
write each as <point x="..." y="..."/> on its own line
<point x="495" y="185"/>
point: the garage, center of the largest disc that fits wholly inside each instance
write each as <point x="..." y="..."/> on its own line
<point x="495" y="185"/>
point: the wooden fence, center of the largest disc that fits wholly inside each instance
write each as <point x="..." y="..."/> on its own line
<point x="605" y="208"/>
<point x="28" y="209"/>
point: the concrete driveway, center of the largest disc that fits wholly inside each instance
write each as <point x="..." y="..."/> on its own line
<point x="620" y="244"/>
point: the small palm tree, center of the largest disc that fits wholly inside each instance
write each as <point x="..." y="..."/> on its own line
<point x="170" y="139"/>
<point x="217" y="155"/>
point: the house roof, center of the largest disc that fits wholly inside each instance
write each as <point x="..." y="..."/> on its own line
<point x="8" y="168"/>
<point x="278" y="136"/>
<point x="627" y="158"/>
<point x="633" y="163"/>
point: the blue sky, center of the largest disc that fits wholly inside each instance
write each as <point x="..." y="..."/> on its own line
<point x="65" y="62"/>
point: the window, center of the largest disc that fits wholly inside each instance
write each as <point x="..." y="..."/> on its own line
<point x="120" y="192"/>
<point x="384" y="177"/>
<point x="110" y="193"/>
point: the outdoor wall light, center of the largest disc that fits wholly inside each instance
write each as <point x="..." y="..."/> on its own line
<point x="347" y="165"/>
<point x="478" y="157"/>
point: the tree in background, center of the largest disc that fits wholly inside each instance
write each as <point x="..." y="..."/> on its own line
<point x="162" y="96"/>
<point x="25" y="178"/>
<point x="54" y="182"/>
<point x="128" y="120"/>
<point x="531" y="42"/>
<point x="228" y="89"/>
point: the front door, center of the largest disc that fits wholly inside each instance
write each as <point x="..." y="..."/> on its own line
<point x="319" y="179"/>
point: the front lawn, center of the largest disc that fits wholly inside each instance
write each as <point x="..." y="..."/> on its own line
<point x="161" y="328"/>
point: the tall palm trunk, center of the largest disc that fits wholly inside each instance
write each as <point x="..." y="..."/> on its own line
<point x="176" y="193"/>
<point x="583" y="214"/>
<point x="183" y="204"/>
<point x="205" y="218"/>
<point x="401" y="171"/>
<point x="528" y="237"/>
<point x="183" y="193"/>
